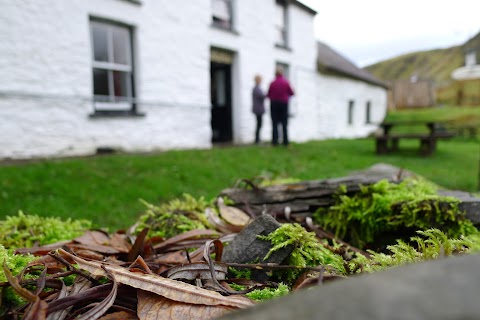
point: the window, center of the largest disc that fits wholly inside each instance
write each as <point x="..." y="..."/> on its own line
<point x="281" y="23"/>
<point x="285" y="68"/>
<point x="222" y="13"/>
<point x="471" y="58"/>
<point x="368" y="115"/>
<point x="351" y="104"/>
<point x="112" y="66"/>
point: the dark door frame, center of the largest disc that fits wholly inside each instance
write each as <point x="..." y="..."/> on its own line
<point x="221" y="99"/>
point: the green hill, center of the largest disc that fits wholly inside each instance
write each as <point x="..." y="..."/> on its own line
<point x="436" y="65"/>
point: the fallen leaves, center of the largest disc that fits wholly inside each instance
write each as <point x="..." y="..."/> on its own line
<point x="125" y="276"/>
<point x="132" y="290"/>
<point x="232" y="215"/>
<point x="170" y="289"/>
<point x="152" y="307"/>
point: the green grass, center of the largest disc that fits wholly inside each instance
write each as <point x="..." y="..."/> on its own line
<point x="106" y="189"/>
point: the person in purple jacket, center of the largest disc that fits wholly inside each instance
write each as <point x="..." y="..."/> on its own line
<point x="279" y="94"/>
<point x="258" y="108"/>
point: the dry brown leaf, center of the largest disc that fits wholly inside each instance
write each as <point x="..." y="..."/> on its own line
<point x="137" y="248"/>
<point x="120" y="242"/>
<point x="37" y="310"/>
<point x="24" y="293"/>
<point x="43" y="250"/>
<point x="171" y="289"/>
<point x="155" y="307"/>
<point x="94" y="247"/>
<point x="198" y="270"/>
<point x="61" y="314"/>
<point x="49" y="262"/>
<point x="232" y="215"/>
<point x="193" y="234"/>
<point x="98" y="241"/>
<point x="171" y="258"/>
<point x="100" y="308"/>
<point x="121" y="315"/>
<point x="93" y="237"/>
<point x="220" y="224"/>
<point x="89" y="254"/>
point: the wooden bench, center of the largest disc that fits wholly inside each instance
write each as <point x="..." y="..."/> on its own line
<point x="387" y="142"/>
<point x="469" y="131"/>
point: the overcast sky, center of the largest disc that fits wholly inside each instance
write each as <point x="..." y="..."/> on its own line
<point x="368" y="31"/>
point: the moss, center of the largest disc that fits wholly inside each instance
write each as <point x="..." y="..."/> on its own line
<point x="429" y="244"/>
<point x="240" y="273"/>
<point x="16" y="263"/>
<point x="237" y="287"/>
<point x="25" y="230"/>
<point x="268" y="293"/>
<point x="307" y="251"/>
<point x="386" y="208"/>
<point x="174" y="217"/>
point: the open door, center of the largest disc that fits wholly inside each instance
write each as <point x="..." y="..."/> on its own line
<point x="221" y="98"/>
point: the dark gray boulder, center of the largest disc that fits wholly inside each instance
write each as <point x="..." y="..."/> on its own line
<point x="246" y="247"/>
<point x="447" y="288"/>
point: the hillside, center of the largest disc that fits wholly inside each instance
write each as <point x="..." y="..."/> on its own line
<point x="435" y="64"/>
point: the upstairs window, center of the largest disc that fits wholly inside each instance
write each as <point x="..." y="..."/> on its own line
<point x="222" y="13"/>
<point x="112" y="66"/>
<point x="281" y="26"/>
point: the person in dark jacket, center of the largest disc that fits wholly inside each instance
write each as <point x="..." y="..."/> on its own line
<point x="279" y="94"/>
<point x="258" y="108"/>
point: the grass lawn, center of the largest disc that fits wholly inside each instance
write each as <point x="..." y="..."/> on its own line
<point x="106" y="189"/>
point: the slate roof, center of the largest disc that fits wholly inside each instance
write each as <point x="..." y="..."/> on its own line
<point x="330" y="61"/>
<point x="305" y="7"/>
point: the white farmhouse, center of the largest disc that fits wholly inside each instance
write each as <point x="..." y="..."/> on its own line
<point x="78" y="76"/>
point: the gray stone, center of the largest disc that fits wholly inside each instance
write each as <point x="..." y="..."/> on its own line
<point x="381" y="171"/>
<point x="246" y="247"/>
<point x="443" y="289"/>
<point x="468" y="204"/>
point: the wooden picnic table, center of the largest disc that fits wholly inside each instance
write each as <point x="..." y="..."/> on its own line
<point x="389" y="142"/>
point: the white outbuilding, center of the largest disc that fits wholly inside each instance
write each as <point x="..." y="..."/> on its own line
<point x="80" y="76"/>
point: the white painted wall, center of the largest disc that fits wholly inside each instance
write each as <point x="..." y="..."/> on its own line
<point x="46" y="82"/>
<point x="45" y="51"/>
<point x="333" y="101"/>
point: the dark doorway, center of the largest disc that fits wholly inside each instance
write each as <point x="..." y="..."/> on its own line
<point x="221" y="96"/>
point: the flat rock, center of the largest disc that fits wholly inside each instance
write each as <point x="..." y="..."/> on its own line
<point x="468" y="203"/>
<point x="381" y="171"/>
<point x="443" y="289"/>
<point x="246" y="247"/>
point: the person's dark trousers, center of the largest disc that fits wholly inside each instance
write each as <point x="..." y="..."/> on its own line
<point x="279" y="113"/>
<point x="257" y="130"/>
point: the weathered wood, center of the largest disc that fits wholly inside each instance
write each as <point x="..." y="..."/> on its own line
<point x="306" y="196"/>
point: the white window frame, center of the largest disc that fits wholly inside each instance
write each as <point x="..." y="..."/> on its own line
<point x="112" y="102"/>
